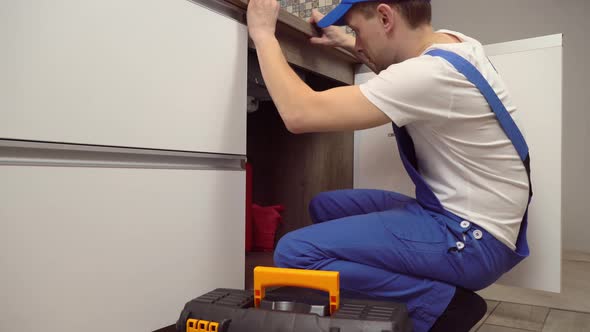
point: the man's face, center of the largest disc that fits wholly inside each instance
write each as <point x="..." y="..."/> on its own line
<point x="370" y="38"/>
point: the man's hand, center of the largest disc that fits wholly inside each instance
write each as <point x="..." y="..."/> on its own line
<point x="336" y="37"/>
<point x="262" y="19"/>
<point x="332" y="36"/>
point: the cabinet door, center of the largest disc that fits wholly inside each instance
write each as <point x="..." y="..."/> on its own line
<point x="115" y="249"/>
<point x="532" y="69"/>
<point x="162" y="74"/>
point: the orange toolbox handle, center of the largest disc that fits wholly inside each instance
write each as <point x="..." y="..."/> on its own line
<point x="328" y="281"/>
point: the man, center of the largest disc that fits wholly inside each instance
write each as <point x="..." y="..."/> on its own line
<point x="452" y="117"/>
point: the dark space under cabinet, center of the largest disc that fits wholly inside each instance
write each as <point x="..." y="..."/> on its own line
<point x="290" y="169"/>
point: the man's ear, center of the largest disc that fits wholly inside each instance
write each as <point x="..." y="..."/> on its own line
<point x="387" y="16"/>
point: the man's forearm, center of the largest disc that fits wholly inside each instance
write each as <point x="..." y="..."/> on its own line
<point x="289" y="93"/>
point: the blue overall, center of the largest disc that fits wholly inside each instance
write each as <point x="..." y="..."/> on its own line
<point x="390" y="246"/>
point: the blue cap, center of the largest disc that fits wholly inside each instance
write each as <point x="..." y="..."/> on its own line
<point x="336" y="16"/>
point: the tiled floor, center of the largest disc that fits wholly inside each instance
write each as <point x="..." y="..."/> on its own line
<point x="575" y="292"/>
<point x="512" y="317"/>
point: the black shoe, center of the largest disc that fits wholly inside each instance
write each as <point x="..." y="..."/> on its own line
<point x="465" y="310"/>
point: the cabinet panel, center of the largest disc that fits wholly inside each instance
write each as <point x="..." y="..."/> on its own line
<point x="109" y="249"/>
<point x="162" y="74"/>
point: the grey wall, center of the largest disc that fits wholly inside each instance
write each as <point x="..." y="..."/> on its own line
<point x="503" y="20"/>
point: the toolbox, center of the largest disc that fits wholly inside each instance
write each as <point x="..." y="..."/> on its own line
<point x="300" y="301"/>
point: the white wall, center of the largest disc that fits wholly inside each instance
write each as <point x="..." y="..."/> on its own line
<point x="504" y="20"/>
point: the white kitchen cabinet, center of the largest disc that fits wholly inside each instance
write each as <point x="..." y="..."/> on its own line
<point x="532" y="70"/>
<point x="122" y="131"/>
<point x="115" y="249"/>
<point x="159" y="74"/>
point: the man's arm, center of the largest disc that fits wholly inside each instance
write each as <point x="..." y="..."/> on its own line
<point x="301" y="108"/>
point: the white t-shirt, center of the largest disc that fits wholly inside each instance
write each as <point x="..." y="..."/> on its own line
<point x="463" y="153"/>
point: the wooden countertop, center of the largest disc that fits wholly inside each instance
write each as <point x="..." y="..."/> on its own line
<point x="294" y="33"/>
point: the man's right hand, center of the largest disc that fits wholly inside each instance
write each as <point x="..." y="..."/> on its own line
<point x="331" y="36"/>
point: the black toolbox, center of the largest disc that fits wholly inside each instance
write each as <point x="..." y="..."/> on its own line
<point x="297" y="308"/>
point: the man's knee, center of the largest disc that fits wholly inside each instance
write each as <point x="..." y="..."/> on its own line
<point x="293" y="252"/>
<point x="285" y="253"/>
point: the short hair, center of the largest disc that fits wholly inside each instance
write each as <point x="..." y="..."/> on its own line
<point x="415" y="12"/>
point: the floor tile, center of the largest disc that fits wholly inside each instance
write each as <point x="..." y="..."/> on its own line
<point x="574" y="294"/>
<point x="496" y="328"/>
<point x="579" y="256"/>
<point x="491" y="307"/>
<point x="567" y="321"/>
<point x="519" y="316"/>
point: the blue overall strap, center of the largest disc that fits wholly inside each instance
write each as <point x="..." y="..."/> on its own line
<point x="474" y="76"/>
<point x="506" y="122"/>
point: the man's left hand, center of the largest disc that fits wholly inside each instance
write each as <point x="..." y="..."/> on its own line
<point x="262" y="19"/>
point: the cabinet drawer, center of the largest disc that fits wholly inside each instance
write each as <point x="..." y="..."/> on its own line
<point x="114" y="249"/>
<point x="162" y="74"/>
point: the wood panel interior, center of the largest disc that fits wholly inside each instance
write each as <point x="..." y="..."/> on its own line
<point x="291" y="169"/>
